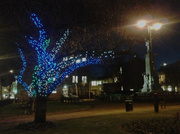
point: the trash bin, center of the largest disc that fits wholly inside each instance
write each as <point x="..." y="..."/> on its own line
<point x="129" y="105"/>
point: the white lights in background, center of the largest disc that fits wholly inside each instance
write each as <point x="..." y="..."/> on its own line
<point x="164" y="64"/>
<point x="65" y="58"/>
<point x="141" y="23"/>
<point x="78" y="61"/>
<point x="115" y="79"/>
<point x="176" y="89"/>
<point x="169" y="88"/>
<point x="163" y="88"/>
<point x="65" y="91"/>
<point x="122" y="88"/>
<point x="74" y="79"/>
<point x="96" y="83"/>
<point x="157" y="26"/>
<point x="83" y="59"/>
<point x="84" y="79"/>
<point x="11" y="71"/>
<point x="54" y="92"/>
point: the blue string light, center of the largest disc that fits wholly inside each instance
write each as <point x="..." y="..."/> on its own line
<point x="47" y="73"/>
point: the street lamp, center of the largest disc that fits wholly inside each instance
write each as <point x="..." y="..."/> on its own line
<point x="11" y="71"/>
<point x="150" y="80"/>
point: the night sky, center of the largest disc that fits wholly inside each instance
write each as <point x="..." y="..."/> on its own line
<point x="94" y="25"/>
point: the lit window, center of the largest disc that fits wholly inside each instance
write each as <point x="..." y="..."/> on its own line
<point x="115" y="79"/>
<point x="78" y="61"/>
<point x="74" y="79"/>
<point x="99" y="82"/>
<point x="163" y="88"/>
<point x="83" y="59"/>
<point x="84" y="79"/>
<point x="122" y="88"/>
<point x="65" y="91"/>
<point x="169" y="88"/>
<point x="96" y="83"/>
<point x="120" y="69"/>
<point x="12" y="96"/>
<point x="71" y="57"/>
<point x="54" y="92"/>
<point x="175" y="89"/>
<point x="65" y="58"/>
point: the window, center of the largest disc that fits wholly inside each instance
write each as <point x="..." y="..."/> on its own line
<point x="93" y="83"/>
<point x="65" y="58"/>
<point x="122" y="88"/>
<point x="176" y="89"/>
<point x="84" y="79"/>
<point x="163" y="88"/>
<point x="99" y="82"/>
<point x="115" y="79"/>
<point x="83" y="59"/>
<point x="78" y="61"/>
<point x="74" y="79"/>
<point x="96" y="83"/>
<point x="169" y="88"/>
<point x="54" y="92"/>
<point x="120" y="70"/>
<point x="71" y="57"/>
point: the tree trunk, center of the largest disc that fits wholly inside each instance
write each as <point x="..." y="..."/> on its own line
<point x="40" y="109"/>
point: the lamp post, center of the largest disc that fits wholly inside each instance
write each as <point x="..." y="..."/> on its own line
<point x="150" y="80"/>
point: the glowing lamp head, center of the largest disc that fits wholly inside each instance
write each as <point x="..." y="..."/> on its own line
<point x="157" y="26"/>
<point x="164" y="64"/>
<point x="11" y="71"/>
<point x="141" y="23"/>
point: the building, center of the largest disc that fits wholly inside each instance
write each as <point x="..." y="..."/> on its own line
<point x="9" y="92"/>
<point x="169" y="77"/>
<point x="93" y="80"/>
<point x="86" y="82"/>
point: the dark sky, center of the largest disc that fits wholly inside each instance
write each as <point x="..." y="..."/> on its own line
<point x="107" y="24"/>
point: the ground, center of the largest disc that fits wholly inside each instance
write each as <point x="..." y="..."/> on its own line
<point x="99" y="118"/>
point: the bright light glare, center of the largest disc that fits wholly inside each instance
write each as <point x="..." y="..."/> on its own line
<point x="164" y="64"/>
<point x="141" y="23"/>
<point x="11" y="71"/>
<point x="157" y="26"/>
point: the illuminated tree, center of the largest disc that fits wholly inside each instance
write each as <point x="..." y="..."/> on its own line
<point x="48" y="74"/>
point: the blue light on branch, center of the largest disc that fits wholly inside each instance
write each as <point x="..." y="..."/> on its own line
<point x="47" y="73"/>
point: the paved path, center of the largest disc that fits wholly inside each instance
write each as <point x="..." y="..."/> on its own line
<point x="8" y="122"/>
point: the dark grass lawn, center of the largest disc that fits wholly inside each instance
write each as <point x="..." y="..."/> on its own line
<point x="52" y="106"/>
<point x="109" y="124"/>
